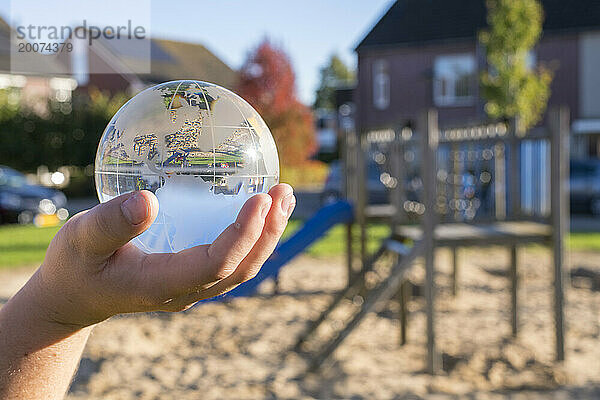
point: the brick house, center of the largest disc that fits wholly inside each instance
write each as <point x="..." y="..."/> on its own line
<point x="425" y="53"/>
<point x="38" y="77"/>
<point x="169" y="60"/>
<point x="44" y="78"/>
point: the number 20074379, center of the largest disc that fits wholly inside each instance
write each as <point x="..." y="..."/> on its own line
<point x="45" y="47"/>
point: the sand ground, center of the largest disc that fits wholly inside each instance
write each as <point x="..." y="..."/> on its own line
<point x="239" y="349"/>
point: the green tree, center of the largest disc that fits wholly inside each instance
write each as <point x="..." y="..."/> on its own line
<point x="511" y="87"/>
<point x="333" y="75"/>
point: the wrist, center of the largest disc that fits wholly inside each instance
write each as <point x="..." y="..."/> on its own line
<point x="42" y="306"/>
<point x="38" y="354"/>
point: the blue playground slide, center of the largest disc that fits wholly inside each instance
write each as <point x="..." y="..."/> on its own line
<point x="328" y="216"/>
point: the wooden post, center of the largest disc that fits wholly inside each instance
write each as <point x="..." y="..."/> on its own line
<point x="351" y="150"/>
<point x="349" y="253"/>
<point x="500" y="184"/>
<point x="362" y="195"/>
<point x="398" y="194"/>
<point x="514" y="169"/>
<point x="398" y="197"/>
<point x="351" y="153"/>
<point x="428" y="130"/>
<point x="404" y="299"/>
<point x="454" y="271"/>
<point x="352" y="190"/>
<point x="514" y="286"/>
<point x="456" y="172"/>
<point x="559" y="129"/>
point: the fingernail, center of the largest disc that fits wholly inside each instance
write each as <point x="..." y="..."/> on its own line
<point x="287" y="204"/>
<point x="265" y="209"/>
<point x="135" y="209"/>
<point x="291" y="207"/>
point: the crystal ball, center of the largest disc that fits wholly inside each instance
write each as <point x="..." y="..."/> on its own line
<point x="200" y="148"/>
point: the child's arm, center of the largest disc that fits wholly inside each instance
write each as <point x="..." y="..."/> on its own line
<point x="91" y="272"/>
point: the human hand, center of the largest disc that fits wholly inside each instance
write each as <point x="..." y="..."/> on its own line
<point x="92" y="272"/>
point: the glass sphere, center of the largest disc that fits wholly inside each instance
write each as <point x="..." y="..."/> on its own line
<point x="199" y="147"/>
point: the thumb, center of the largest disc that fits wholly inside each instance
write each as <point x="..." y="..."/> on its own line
<point x="108" y="226"/>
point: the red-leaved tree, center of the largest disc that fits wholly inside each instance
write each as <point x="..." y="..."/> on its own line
<point x="267" y="82"/>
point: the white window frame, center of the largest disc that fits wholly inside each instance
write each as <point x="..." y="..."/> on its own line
<point x="12" y="81"/>
<point x="63" y="88"/>
<point x="443" y="75"/>
<point x="530" y="63"/>
<point x="381" y="84"/>
<point x="531" y="59"/>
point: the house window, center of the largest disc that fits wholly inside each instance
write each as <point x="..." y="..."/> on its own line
<point x="62" y="88"/>
<point x="12" y="81"/>
<point x="530" y="60"/>
<point x="530" y="63"/>
<point x="381" y="84"/>
<point x="453" y="83"/>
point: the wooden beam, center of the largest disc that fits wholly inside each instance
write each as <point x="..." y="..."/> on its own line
<point x="514" y="288"/>
<point x="373" y="302"/>
<point x="404" y="299"/>
<point x="455" y="272"/>
<point x="514" y="170"/>
<point x="362" y="200"/>
<point x="559" y="128"/>
<point x="428" y="130"/>
<point x="398" y="168"/>
<point x="356" y="286"/>
<point x="349" y="253"/>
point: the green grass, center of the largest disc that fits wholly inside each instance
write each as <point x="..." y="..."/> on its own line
<point x="22" y="245"/>
<point x="220" y="158"/>
<point x="584" y="241"/>
<point x="334" y="242"/>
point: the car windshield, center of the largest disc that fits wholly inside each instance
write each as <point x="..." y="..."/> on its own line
<point x="582" y="169"/>
<point x="373" y="171"/>
<point x="10" y="177"/>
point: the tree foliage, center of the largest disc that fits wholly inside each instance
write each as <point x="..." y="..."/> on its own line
<point x="66" y="134"/>
<point x="333" y="75"/>
<point x="267" y="82"/>
<point x="511" y="87"/>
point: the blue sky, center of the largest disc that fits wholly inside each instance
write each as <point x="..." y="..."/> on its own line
<point x="309" y="31"/>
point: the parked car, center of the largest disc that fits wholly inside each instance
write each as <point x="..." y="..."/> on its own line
<point x="333" y="190"/>
<point x="22" y="202"/>
<point x="585" y="186"/>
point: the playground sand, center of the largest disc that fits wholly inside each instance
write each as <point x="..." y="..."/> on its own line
<point x="238" y="350"/>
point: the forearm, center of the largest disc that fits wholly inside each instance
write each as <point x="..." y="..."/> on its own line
<point x="38" y="356"/>
<point x="90" y="273"/>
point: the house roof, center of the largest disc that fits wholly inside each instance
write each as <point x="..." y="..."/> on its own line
<point x="31" y="63"/>
<point x="182" y="60"/>
<point x="420" y="21"/>
<point x="171" y="60"/>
